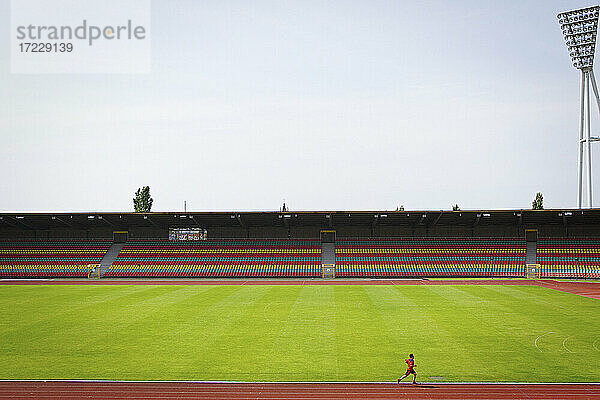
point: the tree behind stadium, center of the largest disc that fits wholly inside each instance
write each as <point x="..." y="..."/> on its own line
<point x="142" y="202"/>
<point x="538" y="203"/>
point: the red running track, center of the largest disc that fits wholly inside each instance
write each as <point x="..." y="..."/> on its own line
<point x="587" y="289"/>
<point x="238" y="391"/>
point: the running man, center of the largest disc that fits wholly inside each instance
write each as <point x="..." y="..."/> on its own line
<point x="410" y="362"/>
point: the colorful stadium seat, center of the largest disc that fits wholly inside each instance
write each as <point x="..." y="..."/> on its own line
<point x="219" y="258"/>
<point x="44" y="259"/>
<point x="569" y="257"/>
<point x="382" y="257"/>
<point x="419" y="257"/>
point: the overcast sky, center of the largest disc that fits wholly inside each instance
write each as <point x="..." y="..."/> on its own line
<point x="330" y="105"/>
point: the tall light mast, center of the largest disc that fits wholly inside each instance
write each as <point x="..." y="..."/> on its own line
<point x="579" y="28"/>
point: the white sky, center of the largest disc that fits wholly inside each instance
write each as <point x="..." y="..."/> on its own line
<point x="326" y="104"/>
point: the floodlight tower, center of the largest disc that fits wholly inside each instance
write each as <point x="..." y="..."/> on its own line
<point x="580" y="28"/>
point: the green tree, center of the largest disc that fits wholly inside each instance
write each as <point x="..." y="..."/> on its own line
<point x="455" y="207"/>
<point x="142" y="202"/>
<point x="538" y="203"/>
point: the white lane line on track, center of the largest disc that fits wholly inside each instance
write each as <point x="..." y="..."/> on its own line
<point x="567" y="338"/>
<point x="520" y="390"/>
<point x="538" y="338"/>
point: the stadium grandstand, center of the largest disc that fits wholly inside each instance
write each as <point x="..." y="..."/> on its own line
<point x="349" y="244"/>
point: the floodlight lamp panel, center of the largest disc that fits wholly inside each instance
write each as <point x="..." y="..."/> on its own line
<point x="579" y="28"/>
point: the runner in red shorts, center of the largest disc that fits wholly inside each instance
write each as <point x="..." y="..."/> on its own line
<point x="410" y="362"/>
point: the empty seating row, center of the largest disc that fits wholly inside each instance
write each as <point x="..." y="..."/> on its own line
<point x="45" y="259"/>
<point x="442" y="257"/>
<point x="569" y="257"/>
<point x="219" y="258"/>
<point x="392" y="257"/>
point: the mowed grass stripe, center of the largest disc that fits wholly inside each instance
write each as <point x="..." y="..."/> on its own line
<point x="297" y="333"/>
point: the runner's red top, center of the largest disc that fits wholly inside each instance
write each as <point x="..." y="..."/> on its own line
<point x="410" y="362"/>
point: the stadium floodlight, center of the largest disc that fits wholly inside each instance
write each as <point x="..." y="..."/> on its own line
<point x="580" y="28"/>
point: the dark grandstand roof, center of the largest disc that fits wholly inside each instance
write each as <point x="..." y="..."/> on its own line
<point x="324" y="219"/>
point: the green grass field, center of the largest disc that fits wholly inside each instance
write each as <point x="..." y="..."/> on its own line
<point x="298" y="333"/>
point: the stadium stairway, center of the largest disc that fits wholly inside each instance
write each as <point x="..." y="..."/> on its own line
<point x="111" y="254"/>
<point x="531" y="253"/>
<point x="328" y="253"/>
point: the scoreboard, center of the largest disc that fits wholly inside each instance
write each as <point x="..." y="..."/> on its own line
<point x="186" y="234"/>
